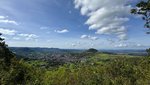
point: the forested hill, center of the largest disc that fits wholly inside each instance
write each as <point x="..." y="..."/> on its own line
<point x="25" y="51"/>
<point x="37" y="49"/>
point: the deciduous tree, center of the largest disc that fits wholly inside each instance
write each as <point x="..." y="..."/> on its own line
<point x="143" y="9"/>
<point x="5" y="53"/>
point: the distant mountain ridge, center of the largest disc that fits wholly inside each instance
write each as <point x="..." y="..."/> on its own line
<point x="136" y="52"/>
<point x="37" y="50"/>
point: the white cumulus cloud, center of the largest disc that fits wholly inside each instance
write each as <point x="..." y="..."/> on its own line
<point x="74" y="45"/>
<point x="6" y="21"/>
<point x="7" y="31"/>
<point x="84" y="36"/>
<point x="3" y="19"/>
<point x="105" y="16"/>
<point x="121" y="45"/>
<point x="88" y="37"/>
<point x="43" y="28"/>
<point x="16" y="38"/>
<point x="29" y="36"/>
<point x="138" y="45"/>
<point x="62" y="31"/>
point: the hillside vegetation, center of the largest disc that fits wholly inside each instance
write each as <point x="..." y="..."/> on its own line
<point x="93" y="69"/>
<point x="97" y="69"/>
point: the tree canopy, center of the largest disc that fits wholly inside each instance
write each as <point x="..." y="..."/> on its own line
<point x="143" y="9"/>
<point x="5" y="53"/>
<point x="92" y="50"/>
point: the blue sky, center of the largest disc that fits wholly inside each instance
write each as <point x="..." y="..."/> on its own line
<point x="74" y="24"/>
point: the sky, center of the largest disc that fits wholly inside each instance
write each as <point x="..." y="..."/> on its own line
<point x="72" y="24"/>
